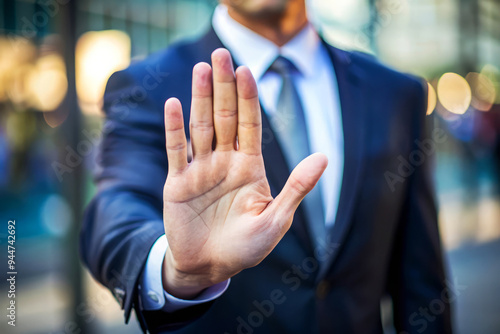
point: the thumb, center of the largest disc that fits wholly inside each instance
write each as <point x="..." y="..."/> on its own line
<point x="302" y="180"/>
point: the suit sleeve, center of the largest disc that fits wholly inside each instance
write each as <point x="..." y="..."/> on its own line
<point x="124" y="219"/>
<point x="417" y="282"/>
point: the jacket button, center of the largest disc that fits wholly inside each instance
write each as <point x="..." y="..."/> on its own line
<point x="322" y="289"/>
<point x="119" y="294"/>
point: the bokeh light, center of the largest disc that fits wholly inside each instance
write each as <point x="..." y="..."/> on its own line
<point x="15" y="55"/>
<point x="493" y="74"/>
<point x="47" y="82"/>
<point x="17" y="90"/>
<point x="483" y="91"/>
<point x="98" y="55"/>
<point x="56" y="215"/>
<point x="454" y="93"/>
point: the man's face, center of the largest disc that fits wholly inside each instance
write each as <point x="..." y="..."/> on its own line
<point x="261" y="8"/>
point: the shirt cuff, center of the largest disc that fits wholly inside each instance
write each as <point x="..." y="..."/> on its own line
<point x="215" y="291"/>
<point x="153" y="297"/>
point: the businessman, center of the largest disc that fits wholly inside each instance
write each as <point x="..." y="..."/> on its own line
<point x="284" y="202"/>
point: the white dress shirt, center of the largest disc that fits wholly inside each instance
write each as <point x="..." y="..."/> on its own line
<point x="317" y="87"/>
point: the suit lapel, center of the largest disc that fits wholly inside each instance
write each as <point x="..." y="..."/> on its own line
<point x="353" y="107"/>
<point x="277" y="173"/>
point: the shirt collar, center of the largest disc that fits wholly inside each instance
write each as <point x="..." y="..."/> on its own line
<point x="251" y="49"/>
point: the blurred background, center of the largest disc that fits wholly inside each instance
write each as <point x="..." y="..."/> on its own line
<point x="55" y="58"/>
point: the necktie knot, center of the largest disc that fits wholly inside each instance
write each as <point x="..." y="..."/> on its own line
<point x="283" y="66"/>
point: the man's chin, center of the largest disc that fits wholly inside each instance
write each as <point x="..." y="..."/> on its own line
<point x="262" y="9"/>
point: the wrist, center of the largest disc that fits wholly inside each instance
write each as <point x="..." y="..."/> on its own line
<point x="179" y="284"/>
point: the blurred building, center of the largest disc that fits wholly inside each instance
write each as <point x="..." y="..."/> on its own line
<point x="55" y="58"/>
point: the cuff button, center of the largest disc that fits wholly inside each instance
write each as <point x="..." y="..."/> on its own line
<point x="153" y="296"/>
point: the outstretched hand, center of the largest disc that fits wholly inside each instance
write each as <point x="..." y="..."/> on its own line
<point x="219" y="215"/>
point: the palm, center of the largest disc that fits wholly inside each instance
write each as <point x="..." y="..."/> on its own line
<point x="219" y="215"/>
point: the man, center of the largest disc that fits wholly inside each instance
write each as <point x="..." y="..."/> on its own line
<point x="234" y="262"/>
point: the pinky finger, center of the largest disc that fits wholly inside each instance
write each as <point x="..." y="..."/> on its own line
<point x="175" y="136"/>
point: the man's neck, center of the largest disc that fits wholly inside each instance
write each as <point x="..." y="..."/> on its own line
<point x="278" y="30"/>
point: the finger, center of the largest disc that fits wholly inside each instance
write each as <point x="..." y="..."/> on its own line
<point x="302" y="180"/>
<point x="175" y="136"/>
<point x="225" y="101"/>
<point x="249" y="117"/>
<point x="201" y="124"/>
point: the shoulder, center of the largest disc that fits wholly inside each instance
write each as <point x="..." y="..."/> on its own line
<point x="376" y="74"/>
<point x="382" y="82"/>
<point x="382" y="75"/>
<point x="393" y="98"/>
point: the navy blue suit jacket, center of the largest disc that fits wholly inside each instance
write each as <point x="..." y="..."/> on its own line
<point x="385" y="238"/>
